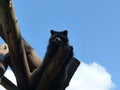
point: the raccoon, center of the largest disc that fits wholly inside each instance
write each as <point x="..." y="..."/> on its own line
<point x="58" y="38"/>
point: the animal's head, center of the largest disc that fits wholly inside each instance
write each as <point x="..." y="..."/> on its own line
<point x="59" y="37"/>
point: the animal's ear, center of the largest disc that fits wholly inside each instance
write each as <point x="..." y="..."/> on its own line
<point x="65" y="32"/>
<point x="52" y="32"/>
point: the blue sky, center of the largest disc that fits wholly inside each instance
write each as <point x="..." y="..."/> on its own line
<point x="93" y="28"/>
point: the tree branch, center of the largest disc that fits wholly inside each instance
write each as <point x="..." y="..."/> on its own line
<point x="50" y="69"/>
<point x="63" y="78"/>
<point x="8" y="84"/>
<point x="32" y="57"/>
<point x="3" y="64"/>
<point x="62" y="56"/>
<point x="15" y="43"/>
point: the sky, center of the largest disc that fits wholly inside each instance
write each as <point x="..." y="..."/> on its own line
<point x="93" y="31"/>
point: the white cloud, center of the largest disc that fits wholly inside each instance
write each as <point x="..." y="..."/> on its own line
<point x="9" y="74"/>
<point x="91" y="77"/>
<point x="87" y="77"/>
<point x="2" y="88"/>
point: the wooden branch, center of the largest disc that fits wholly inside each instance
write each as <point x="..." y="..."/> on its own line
<point x="32" y="57"/>
<point x="8" y="84"/>
<point x="43" y="78"/>
<point x="64" y="77"/>
<point x="3" y="68"/>
<point x="54" y="74"/>
<point x="1" y="33"/>
<point x="51" y="71"/>
<point x="3" y="64"/>
<point x="15" y="43"/>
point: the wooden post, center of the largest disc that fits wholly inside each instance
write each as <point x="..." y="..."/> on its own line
<point x="32" y="57"/>
<point x="8" y="84"/>
<point x="15" y="44"/>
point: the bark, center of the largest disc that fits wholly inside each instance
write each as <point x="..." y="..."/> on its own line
<point x="15" y="43"/>
<point x="33" y="59"/>
<point x="54" y="74"/>
<point x="49" y="71"/>
<point x="3" y="68"/>
<point x="3" y="64"/>
<point x="63" y="78"/>
<point x="8" y="84"/>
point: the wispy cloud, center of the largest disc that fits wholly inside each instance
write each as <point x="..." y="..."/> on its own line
<point x="87" y="77"/>
<point x="91" y="77"/>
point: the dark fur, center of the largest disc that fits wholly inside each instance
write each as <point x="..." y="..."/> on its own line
<point x="60" y="38"/>
<point x="56" y="39"/>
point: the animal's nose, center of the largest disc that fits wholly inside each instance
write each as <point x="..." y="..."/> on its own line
<point x="57" y="39"/>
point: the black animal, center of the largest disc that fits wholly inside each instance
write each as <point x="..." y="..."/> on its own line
<point x="57" y="38"/>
